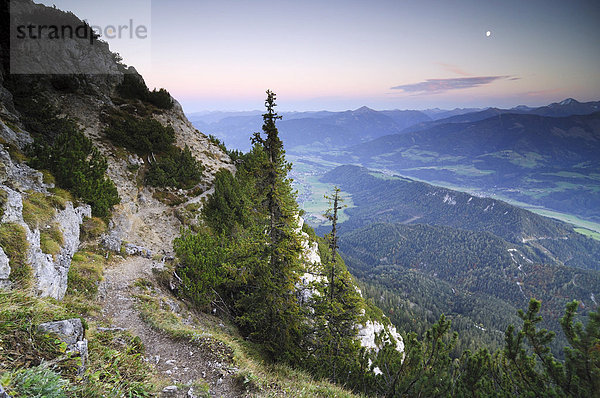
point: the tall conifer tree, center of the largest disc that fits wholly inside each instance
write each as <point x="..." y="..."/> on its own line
<point x="280" y="321"/>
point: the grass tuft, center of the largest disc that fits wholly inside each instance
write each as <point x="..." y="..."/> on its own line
<point x="36" y="382"/>
<point x="13" y="240"/>
<point x="51" y="239"/>
<point x="48" y="178"/>
<point x="60" y="197"/>
<point x="92" y="228"/>
<point x="38" y="210"/>
<point x="23" y="345"/>
<point x="84" y="277"/>
<point x="116" y="367"/>
<point x="3" y="198"/>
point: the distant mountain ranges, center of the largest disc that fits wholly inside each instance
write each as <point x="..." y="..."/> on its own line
<point x="348" y="128"/>
<point x="546" y="156"/>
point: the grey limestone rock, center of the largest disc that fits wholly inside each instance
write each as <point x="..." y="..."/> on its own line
<point x="51" y="273"/>
<point x="4" y="270"/>
<point x="135" y="250"/>
<point x="71" y="332"/>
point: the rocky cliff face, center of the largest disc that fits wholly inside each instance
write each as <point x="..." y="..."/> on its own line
<point x="17" y="182"/>
<point x="141" y="224"/>
<point x="372" y="334"/>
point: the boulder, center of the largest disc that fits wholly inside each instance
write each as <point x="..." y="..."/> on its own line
<point x="71" y="332"/>
<point x="135" y="250"/>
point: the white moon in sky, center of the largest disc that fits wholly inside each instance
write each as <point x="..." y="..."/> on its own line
<point x="488" y="33"/>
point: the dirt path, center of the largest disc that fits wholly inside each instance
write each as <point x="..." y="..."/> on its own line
<point x="180" y="362"/>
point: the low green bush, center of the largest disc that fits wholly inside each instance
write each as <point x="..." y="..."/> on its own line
<point x="133" y="87"/>
<point x="177" y="168"/>
<point x="79" y="167"/>
<point x="140" y="135"/>
<point x="202" y="256"/>
<point x="216" y="141"/>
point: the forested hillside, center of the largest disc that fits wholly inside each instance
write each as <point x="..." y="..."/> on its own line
<point x="421" y="251"/>
<point x="415" y="272"/>
<point x="477" y="279"/>
<point x="380" y="198"/>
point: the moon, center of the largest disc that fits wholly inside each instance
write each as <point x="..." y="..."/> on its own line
<point x="488" y="33"/>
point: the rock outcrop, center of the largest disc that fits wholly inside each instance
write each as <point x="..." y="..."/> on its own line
<point x="4" y="270"/>
<point x="17" y="180"/>
<point x="51" y="272"/>
<point x="371" y="333"/>
<point x="72" y="333"/>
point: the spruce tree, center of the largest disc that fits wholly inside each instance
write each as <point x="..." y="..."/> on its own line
<point x="335" y="351"/>
<point x="332" y="215"/>
<point x="276" y="317"/>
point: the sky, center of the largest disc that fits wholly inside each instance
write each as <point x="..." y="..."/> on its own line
<point x="338" y="55"/>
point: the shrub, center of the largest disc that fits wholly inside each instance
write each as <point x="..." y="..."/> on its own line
<point x="65" y="83"/>
<point x="201" y="271"/>
<point x="177" y="168"/>
<point x="39" y="116"/>
<point x="216" y="141"/>
<point x="160" y="99"/>
<point x="140" y="135"/>
<point x="79" y="167"/>
<point x="133" y="87"/>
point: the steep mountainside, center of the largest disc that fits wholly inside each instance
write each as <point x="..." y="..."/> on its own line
<point x="121" y="173"/>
